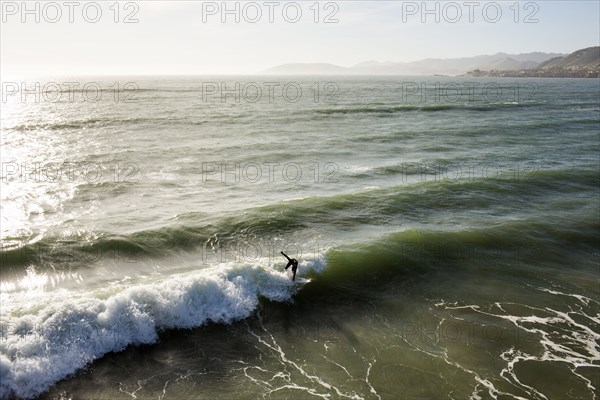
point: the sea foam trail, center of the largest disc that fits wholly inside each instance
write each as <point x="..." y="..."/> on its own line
<point x="44" y="343"/>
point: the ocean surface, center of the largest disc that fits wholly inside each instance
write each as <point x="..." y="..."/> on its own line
<point x="449" y="229"/>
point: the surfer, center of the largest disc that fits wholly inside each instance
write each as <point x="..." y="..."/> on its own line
<point x="293" y="262"/>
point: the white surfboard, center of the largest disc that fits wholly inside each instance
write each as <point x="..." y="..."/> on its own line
<point x="301" y="281"/>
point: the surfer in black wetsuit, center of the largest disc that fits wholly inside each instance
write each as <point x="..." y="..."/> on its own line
<point x="293" y="262"/>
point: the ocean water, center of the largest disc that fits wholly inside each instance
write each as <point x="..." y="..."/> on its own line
<point x="449" y="228"/>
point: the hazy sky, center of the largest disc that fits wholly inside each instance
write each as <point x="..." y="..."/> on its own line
<point x="189" y="37"/>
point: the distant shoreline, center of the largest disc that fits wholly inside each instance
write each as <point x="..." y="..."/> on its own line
<point x="534" y="74"/>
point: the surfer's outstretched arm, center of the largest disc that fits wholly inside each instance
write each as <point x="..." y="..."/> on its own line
<point x="289" y="260"/>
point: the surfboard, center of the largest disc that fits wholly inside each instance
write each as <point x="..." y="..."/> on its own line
<point x="301" y="281"/>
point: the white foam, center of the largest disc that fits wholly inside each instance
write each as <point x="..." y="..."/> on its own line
<point x="44" y="342"/>
<point x="562" y="338"/>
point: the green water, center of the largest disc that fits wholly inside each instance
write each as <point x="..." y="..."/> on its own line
<point x="451" y="243"/>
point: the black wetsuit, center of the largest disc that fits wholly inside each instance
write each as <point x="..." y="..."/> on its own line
<point x="293" y="262"/>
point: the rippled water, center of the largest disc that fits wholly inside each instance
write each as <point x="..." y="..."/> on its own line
<point x="450" y="238"/>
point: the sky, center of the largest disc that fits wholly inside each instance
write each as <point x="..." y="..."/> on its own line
<point x="203" y="37"/>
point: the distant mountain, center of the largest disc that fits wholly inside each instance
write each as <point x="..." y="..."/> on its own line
<point x="584" y="63"/>
<point x="537" y="57"/>
<point x="508" y="63"/>
<point x="307" y="69"/>
<point x="430" y="66"/>
<point x="367" y="64"/>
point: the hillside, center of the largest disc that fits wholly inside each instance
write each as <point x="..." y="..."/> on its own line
<point x="584" y="63"/>
<point x="584" y="58"/>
